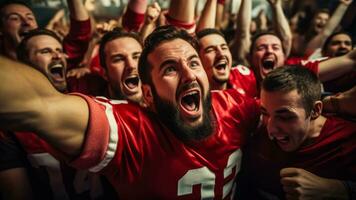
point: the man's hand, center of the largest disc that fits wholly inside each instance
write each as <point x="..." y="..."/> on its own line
<point x="301" y="184"/>
<point x="152" y="13"/>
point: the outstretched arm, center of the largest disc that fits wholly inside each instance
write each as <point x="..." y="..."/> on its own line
<point x="281" y="25"/>
<point x="338" y="66"/>
<point x="28" y="102"/>
<point x="329" y="28"/>
<point x="241" y="44"/>
<point x="301" y="184"/>
<point x="343" y="103"/>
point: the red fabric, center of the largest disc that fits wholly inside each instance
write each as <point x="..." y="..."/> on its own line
<point x="243" y="80"/>
<point x="179" y="23"/>
<point x="76" y="43"/>
<point x="151" y="163"/>
<point x="221" y="2"/>
<point x="331" y="155"/>
<point x="132" y="21"/>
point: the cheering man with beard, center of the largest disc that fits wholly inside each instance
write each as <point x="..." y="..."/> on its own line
<point x="186" y="144"/>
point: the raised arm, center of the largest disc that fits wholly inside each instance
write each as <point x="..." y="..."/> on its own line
<point x="181" y="14"/>
<point x="281" y="25"/>
<point x="151" y="16"/>
<point x="133" y="17"/>
<point x="241" y="44"/>
<point x="208" y="16"/>
<point x="77" y="10"/>
<point x="343" y="103"/>
<point x="28" y="102"/>
<point x="329" y="28"/>
<point x="335" y="67"/>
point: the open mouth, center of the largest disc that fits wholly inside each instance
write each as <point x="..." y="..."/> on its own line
<point x="57" y="72"/>
<point x="23" y="33"/>
<point x="341" y="52"/>
<point x="132" y="82"/>
<point x="268" y="64"/>
<point x="221" y="65"/>
<point x="190" y="101"/>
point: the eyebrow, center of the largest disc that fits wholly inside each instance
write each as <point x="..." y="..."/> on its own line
<point x="279" y="111"/>
<point x="173" y="61"/>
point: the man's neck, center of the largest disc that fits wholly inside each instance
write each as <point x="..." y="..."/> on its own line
<point x="8" y="49"/>
<point x="316" y="127"/>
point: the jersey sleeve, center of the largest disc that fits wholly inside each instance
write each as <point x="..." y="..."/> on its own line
<point x="312" y="65"/>
<point x="132" y="21"/>
<point x="96" y="139"/>
<point x="77" y="41"/>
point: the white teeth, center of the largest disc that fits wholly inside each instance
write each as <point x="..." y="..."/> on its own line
<point x="57" y="66"/>
<point x="190" y="93"/>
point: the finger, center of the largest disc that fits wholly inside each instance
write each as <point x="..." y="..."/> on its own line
<point x="290" y="182"/>
<point x="289" y="172"/>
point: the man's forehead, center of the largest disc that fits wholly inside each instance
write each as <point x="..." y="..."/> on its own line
<point x="268" y="39"/>
<point x="176" y="48"/>
<point x="17" y="8"/>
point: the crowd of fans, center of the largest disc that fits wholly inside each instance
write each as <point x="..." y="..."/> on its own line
<point x="179" y="103"/>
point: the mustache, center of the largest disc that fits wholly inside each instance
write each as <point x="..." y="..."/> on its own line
<point x="187" y="86"/>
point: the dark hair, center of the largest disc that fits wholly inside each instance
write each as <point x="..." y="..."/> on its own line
<point x="158" y="36"/>
<point x="113" y="35"/>
<point x="22" y="49"/>
<point x="293" y="77"/>
<point x="11" y="2"/>
<point x="328" y="40"/>
<point x="260" y="34"/>
<point x="209" y="31"/>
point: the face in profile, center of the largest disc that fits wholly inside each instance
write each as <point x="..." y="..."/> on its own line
<point x="121" y="58"/>
<point x="267" y="54"/>
<point x="285" y="119"/>
<point x="180" y="89"/>
<point x="339" y="45"/>
<point x="216" y="58"/>
<point x="45" y="54"/>
<point x="17" y="20"/>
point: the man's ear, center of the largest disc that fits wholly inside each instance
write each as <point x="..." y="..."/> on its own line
<point x="317" y="110"/>
<point x="147" y="95"/>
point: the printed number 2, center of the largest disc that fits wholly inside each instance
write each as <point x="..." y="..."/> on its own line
<point x="206" y="178"/>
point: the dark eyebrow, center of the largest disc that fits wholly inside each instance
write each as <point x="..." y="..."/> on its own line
<point x="173" y="61"/>
<point x="283" y="111"/>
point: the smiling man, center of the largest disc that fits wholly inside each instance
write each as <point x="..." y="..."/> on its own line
<point x="304" y="154"/>
<point x="119" y="54"/>
<point x="145" y="153"/>
<point x="16" y="20"/>
<point x="43" y="50"/>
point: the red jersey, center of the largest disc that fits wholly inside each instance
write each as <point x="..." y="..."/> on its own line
<point x="53" y="179"/>
<point x="144" y="160"/>
<point x="331" y="155"/>
<point x="243" y="80"/>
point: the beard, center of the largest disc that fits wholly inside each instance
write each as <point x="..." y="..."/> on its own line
<point x="169" y="115"/>
<point x="341" y="52"/>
